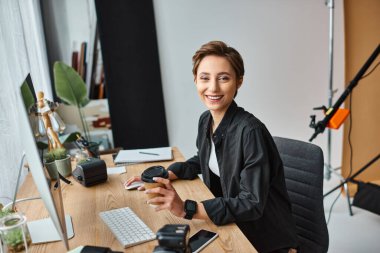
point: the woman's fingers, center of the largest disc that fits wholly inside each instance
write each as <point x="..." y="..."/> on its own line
<point x="156" y="200"/>
<point x="168" y="198"/>
<point x="131" y="180"/>
<point x="160" y="190"/>
<point x="161" y="203"/>
<point x="164" y="181"/>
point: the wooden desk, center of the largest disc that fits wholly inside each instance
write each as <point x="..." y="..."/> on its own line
<point x="84" y="204"/>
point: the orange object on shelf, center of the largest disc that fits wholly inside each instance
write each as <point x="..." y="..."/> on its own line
<point x="339" y="117"/>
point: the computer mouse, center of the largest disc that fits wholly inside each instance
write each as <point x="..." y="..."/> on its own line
<point x="134" y="185"/>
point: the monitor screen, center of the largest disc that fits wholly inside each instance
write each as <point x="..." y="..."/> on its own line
<point x="51" y="195"/>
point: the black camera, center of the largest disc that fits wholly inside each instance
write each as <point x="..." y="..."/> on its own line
<point x="91" y="171"/>
<point x="173" y="238"/>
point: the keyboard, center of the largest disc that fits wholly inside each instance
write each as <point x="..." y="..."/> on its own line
<point x="127" y="227"/>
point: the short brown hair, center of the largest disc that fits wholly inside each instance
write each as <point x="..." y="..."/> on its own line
<point x="219" y="48"/>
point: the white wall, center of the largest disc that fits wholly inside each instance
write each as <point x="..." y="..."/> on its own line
<point x="285" y="48"/>
<point x="68" y="24"/>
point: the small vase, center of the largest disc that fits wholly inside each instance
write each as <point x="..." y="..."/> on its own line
<point x="64" y="166"/>
<point x="80" y="155"/>
<point x="52" y="170"/>
<point x="14" y="233"/>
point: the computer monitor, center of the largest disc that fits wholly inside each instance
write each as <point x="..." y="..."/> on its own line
<point x="51" y="195"/>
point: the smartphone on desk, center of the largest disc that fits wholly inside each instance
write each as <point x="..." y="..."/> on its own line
<point x="201" y="239"/>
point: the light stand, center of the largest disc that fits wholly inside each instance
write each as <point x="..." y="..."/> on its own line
<point x="330" y="5"/>
<point x="320" y="126"/>
<point x="328" y="169"/>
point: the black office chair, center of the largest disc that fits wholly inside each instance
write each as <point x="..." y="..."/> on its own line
<point x="303" y="165"/>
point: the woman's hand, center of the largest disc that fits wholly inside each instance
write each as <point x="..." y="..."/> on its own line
<point x="172" y="176"/>
<point x="134" y="179"/>
<point x="169" y="199"/>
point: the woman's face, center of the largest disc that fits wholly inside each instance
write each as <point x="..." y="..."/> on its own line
<point x="216" y="83"/>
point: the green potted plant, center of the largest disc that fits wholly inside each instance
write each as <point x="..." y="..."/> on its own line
<point x="51" y="168"/>
<point x="58" y="160"/>
<point x="62" y="161"/>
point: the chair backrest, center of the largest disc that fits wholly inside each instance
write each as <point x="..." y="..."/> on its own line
<point x="303" y="167"/>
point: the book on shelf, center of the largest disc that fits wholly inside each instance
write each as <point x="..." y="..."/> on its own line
<point x="82" y="61"/>
<point x="74" y="60"/>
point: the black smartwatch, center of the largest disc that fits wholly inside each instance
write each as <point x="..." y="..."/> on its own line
<point x="190" y="208"/>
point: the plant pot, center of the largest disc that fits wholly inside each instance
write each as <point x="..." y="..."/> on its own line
<point x="52" y="170"/>
<point x="64" y="166"/>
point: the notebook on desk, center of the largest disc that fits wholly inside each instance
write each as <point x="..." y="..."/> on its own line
<point x="144" y="155"/>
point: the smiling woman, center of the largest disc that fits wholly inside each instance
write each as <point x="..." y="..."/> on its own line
<point x="238" y="160"/>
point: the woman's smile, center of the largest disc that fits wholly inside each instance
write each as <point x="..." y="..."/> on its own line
<point x="216" y="84"/>
<point x="214" y="98"/>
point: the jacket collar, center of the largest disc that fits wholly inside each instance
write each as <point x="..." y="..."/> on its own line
<point x="227" y="118"/>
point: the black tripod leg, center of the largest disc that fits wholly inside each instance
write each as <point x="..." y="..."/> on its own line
<point x="351" y="178"/>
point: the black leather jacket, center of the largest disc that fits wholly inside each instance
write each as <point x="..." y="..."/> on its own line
<point x="251" y="179"/>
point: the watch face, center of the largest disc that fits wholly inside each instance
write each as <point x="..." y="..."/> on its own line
<point x="191" y="207"/>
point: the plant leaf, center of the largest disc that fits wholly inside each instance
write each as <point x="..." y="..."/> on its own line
<point x="27" y="95"/>
<point x="69" y="86"/>
<point x="67" y="138"/>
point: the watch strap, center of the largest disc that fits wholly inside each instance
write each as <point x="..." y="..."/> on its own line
<point x="190" y="209"/>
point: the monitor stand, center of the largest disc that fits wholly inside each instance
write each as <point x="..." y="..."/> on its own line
<point x="42" y="231"/>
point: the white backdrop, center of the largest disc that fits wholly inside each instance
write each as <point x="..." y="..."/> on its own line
<point x="284" y="45"/>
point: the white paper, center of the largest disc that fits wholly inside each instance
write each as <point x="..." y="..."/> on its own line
<point x="116" y="170"/>
<point x="144" y="155"/>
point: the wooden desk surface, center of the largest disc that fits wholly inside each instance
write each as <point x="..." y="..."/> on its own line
<point x="84" y="204"/>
